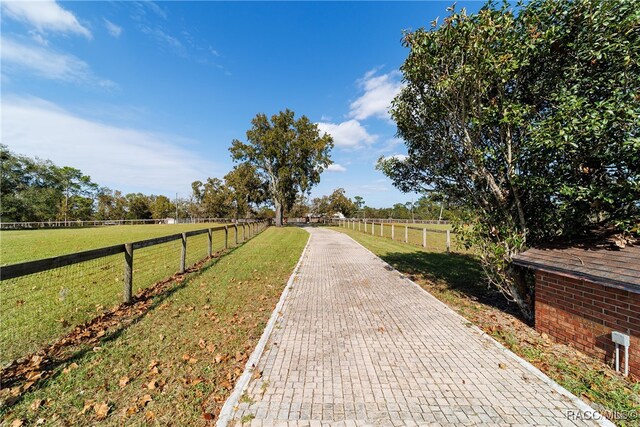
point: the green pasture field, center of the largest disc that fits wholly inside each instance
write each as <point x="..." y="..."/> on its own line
<point x="180" y="359"/>
<point x="41" y="307"/>
<point x="26" y="245"/>
<point x="436" y="236"/>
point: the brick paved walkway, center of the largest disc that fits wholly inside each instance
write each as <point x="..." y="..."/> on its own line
<point x="358" y="344"/>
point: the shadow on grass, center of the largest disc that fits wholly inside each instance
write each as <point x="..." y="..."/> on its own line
<point x="142" y="305"/>
<point x="461" y="273"/>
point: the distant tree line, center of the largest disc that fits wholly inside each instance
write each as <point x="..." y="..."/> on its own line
<point x="427" y="207"/>
<point x="39" y="190"/>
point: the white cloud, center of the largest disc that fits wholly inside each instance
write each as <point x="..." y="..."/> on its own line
<point x="400" y="157"/>
<point x="162" y="37"/>
<point x="379" y="91"/>
<point x="48" y="64"/>
<point x="335" y="167"/>
<point x="118" y="157"/>
<point x="45" y="15"/>
<point x="113" y="29"/>
<point x="349" y="134"/>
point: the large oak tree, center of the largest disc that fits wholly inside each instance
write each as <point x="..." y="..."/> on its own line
<point x="288" y="153"/>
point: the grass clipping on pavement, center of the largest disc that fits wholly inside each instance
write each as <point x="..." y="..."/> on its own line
<point x="178" y="363"/>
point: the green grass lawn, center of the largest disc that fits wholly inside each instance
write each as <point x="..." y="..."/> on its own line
<point x="456" y="279"/>
<point x="435" y="235"/>
<point x="26" y="245"/>
<point x="179" y="360"/>
<point x="40" y="307"/>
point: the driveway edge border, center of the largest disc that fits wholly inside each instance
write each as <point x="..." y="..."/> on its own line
<point x="229" y="407"/>
<point x="581" y="405"/>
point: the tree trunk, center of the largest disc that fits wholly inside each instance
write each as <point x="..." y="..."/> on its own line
<point x="522" y="292"/>
<point x="278" y="214"/>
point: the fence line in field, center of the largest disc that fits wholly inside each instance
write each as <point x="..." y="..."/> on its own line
<point x="369" y="226"/>
<point x="400" y="221"/>
<point x="98" y="223"/>
<point x="42" y="299"/>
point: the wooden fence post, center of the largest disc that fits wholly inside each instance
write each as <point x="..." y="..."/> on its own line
<point x="183" y="256"/>
<point x="226" y="237"/>
<point x="128" y="272"/>
<point x="382" y="229"/>
<point x="359" y="225"/>
<point x="235" y="226"/>
<point x="244" y="236"/>
<point x="448" y="241"/>
<point x="406" y="234"/>
<point x="424" y="237"/>
<point x="365" y="225"/>
<point x="393" y="231"/>
<point x="210" y="233"/>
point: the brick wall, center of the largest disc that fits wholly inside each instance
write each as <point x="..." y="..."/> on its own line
<point x="583" y="314"/>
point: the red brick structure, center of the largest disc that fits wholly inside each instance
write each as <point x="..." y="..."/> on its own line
<point x="583" y="294"/>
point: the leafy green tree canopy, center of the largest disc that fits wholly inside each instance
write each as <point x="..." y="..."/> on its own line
<point x="288" y="154"/>
<point x="529" y="118"/>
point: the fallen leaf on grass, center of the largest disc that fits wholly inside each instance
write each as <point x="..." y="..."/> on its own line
<point x="17" y="423"/>
<point x="189" y="359"/>
<point x="36" y="404"/>
<point x="69" y="368"/>
<point x="88" y="404"/>
<point x="208" y="416"/>
<point x="149" y="415"/>
<point x="123" y="381"/>
<point x="101" y="410"/>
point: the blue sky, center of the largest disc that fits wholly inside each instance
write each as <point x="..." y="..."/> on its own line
<point x="147" y="97"/>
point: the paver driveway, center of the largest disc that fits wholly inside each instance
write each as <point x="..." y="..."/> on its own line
<point x="358" y="344"/>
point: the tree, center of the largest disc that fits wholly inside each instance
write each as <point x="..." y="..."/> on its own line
<point x="527" y="120"/>
<point x="359" y="202"/>
<point x="212" y="199"/>
<point x="246" y="188"/>
<point x="288" y="154"/>
<point x="138" y="206"/>
<point x="78" y="193"/>
<point x="321" y="205"/>
<point x="339" y="202"/>
<point x="161" y="207"/>
<point x="300" y="208"/>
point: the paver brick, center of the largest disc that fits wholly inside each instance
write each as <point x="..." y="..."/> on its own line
<point x="358" y="344"/>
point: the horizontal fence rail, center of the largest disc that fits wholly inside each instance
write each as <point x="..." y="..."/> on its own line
<point x="421" y="236"/>
<point x="100" y="223"/>
<point x="46" y="298"/>
<point x="397" y="220"/>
